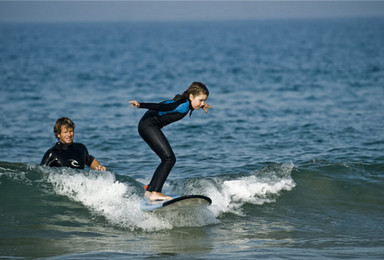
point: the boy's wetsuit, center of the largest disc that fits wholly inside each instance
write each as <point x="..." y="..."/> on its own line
<point x="158" y="116"/>
<point x="73" y="155"/>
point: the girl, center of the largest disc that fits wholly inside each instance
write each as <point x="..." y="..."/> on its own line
<point x="160" y="115"/>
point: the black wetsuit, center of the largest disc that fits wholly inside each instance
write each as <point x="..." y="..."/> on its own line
<point x="158" y="116"/>
<point x="73" y="155"/>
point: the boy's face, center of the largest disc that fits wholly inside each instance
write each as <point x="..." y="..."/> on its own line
<point x="66" y="135"/>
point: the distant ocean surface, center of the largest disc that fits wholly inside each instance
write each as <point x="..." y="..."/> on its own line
<point x="292" y="153"/>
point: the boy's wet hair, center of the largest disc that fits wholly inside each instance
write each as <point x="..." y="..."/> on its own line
<point x="63" y="121"/>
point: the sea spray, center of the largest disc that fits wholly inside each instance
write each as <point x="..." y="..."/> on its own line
<point x="104" y="195"/>
<point x="230" y="193"/>
<point x="120" y="203"/>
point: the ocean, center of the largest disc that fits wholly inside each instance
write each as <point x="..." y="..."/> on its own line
<point x="291" y="154"/>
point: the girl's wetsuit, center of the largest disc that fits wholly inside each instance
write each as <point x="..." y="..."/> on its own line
<point x="158" y="116"/>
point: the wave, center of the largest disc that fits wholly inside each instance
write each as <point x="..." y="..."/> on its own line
<point x="340" y="186"/>
<point x="116" y="199"/>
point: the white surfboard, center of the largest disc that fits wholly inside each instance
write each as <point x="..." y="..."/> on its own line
<point x="178" y="202"/>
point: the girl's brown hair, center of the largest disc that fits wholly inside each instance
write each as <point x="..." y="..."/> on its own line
<point x="196" y="88"/>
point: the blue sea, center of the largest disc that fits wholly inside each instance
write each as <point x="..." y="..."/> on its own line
<point x="292" y="153"/>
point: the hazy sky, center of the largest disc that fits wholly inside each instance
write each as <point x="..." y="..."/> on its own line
<point x="57" y="11"/>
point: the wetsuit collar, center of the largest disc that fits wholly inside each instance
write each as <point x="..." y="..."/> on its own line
<point x="64" y="146"/>
<point x="190" y="108"/>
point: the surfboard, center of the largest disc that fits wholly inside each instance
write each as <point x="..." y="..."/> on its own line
<point x="178" y="202"/>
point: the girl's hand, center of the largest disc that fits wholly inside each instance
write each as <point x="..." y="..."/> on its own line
<point x="205" y="107"/>
<point x="134" y="103"/>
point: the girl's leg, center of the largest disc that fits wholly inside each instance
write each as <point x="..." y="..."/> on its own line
<point x="155" y="138"/>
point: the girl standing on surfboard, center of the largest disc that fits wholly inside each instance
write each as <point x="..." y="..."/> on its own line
<point x="160" y="115"/>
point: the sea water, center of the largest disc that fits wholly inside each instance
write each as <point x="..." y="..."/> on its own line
<point x="292" y="153"/>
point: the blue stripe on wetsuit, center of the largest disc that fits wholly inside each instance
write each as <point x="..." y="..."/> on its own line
<point x="183" y="108"/>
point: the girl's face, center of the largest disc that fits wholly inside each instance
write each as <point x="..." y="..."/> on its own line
<point x="198" y="101"/>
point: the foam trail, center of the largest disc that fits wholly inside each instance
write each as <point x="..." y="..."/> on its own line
<point x="228" y="196"/>
<point x="105" y="196"/>
<point x="119" y="202"/>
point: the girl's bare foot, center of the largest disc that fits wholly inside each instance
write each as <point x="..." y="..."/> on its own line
<point x="154" y="195"/>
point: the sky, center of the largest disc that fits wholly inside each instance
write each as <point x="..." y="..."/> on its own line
<point x="75" y="11"/>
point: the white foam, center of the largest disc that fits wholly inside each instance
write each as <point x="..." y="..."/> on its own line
<point x="105" y="196"/>
<point x="119" y="202"/>
<point x="229" y="196"/>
